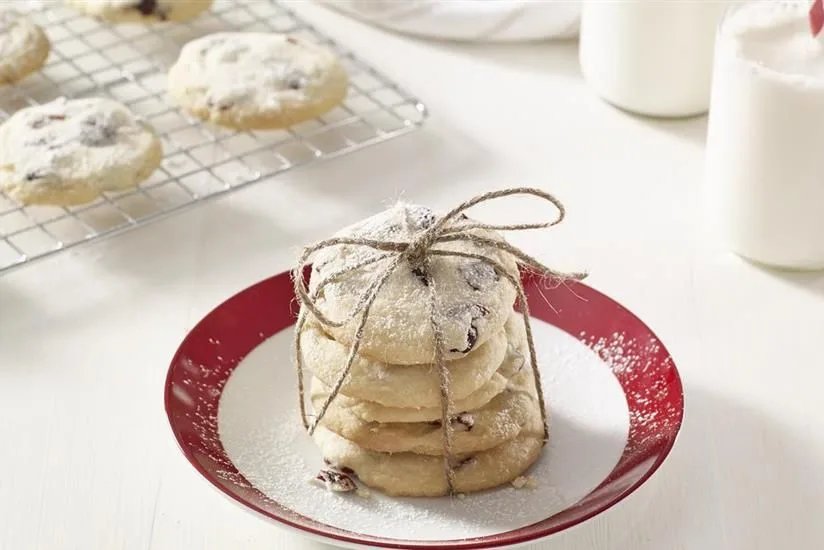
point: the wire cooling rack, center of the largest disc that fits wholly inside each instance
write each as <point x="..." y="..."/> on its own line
<point x="129" y="63"/>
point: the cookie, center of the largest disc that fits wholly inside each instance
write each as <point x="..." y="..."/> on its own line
<point x="369" y="411"/>
<point x="24" y="47"/>
<point x="131" y="11"/>
<point x="415" y="475"/>
<point x="484" y="428"/>
<point x="68" y="152"/>
<point x="399" y="385"/>
<point x="474" y="300"/>
<point x="248" y="80"/>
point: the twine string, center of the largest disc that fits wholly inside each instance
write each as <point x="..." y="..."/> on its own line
<point x="417" y="253"/>
<point x="444" y="384"/>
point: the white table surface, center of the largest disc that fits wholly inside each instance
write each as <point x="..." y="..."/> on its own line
<point x="88" y="461"/>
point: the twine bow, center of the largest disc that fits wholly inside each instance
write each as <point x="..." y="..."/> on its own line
<point x="416" y="253"/>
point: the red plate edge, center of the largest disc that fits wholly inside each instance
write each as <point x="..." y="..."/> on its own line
<point x="649" y="444"/>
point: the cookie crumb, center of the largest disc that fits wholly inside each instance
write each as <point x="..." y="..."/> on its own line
<point x="363" y="492"/>
<point x="525" y="482"/>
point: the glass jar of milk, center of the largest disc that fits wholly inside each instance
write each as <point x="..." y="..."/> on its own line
<point x="764" y="181"/>
<point x="651" y="57"/>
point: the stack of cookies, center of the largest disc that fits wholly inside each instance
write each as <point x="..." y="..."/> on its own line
<point x="384" y="426"/>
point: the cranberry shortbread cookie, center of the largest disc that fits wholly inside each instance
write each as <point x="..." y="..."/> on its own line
<point x="68" y="152"/>
<point x="399" y="385"/>
<point x="24" y="47"/>
<point x="130" y="11"/>
<point x="369" y="411"/>
<point x="416" y="475"/>
<point x="249" y="80"/>
<point x="473" y="300"/>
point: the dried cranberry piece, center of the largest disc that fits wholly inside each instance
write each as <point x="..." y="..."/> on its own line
<point x="479" y="275"/>
<point x="421" y="274"/>
<point x="40" y="122"/>
<point x="466" y="420"/>
<point x="344" y="469"/>
<point x="463" y="421"/>
<point x="338" y="482"/>
<point x="149" y="7"/>
<point x="477" y="312"/>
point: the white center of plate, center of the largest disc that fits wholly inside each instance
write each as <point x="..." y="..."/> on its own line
<point x="260" y="430"/>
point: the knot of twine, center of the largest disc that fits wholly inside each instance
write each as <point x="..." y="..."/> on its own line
<point x="417" y="252"/>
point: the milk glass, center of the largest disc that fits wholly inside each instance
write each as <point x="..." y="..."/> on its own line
<point x="651" y="57"/>
<point x="764" y="179"/>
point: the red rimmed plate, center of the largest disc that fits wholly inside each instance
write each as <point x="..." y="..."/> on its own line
<point x="614" y="394"/>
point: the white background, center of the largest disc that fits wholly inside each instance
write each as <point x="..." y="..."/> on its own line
<point x="86" y="457"/>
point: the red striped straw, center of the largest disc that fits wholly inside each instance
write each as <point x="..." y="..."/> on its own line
<point x="816" y="17"/>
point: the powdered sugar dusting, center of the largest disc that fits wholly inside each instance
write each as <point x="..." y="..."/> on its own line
<point x="203" y="414"/>
<point x="652" y="418"/>
<point x="261" y="433"/>
<point x="622" y="353"/>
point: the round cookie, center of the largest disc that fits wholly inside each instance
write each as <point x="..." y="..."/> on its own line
<point x="474" y="301"/>
<point x="399" y="385"/>
<point x="248" y="80"/>
<point x="68" y="152"/>
<point x="369" y="411"/>
<point x="489" y="426"/>
<point x="414" y="475"/>
<point x="132" y="11"/>
<point x="24" y="47"/>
